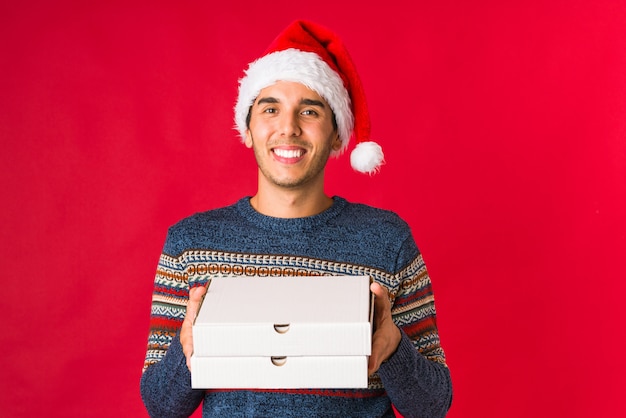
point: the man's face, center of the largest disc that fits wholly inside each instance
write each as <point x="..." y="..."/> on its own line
<point x="292" y="134"/>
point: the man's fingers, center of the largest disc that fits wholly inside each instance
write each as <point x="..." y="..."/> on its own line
<point x="386" y="334"/>
<point x="197" y="293"/>
<point x="382" y="295"/>
<point x="193" y="306"/>
<point x="382" y="306"/>
<point x="373" y="363"/>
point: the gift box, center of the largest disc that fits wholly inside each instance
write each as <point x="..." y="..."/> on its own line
<point x="283" y="333"/>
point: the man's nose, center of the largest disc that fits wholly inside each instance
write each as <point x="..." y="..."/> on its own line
<point x="289" y="125"/>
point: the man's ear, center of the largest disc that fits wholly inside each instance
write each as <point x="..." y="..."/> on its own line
<point x="248" y="140"/>
<point x="336" y="145"/>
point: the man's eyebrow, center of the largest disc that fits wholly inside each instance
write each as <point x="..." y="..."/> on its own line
<point x="305" y="101"/>
<point x="312" y="102"/>
<point x="267" y="100"/>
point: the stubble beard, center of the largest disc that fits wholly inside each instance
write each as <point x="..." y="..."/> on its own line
<point x="291" y="182"/>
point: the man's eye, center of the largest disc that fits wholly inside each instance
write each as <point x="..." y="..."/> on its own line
<point x="269" y="110"/>
<point x="309" y="112"/>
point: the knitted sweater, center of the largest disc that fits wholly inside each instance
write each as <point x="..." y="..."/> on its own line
<point x="346" y="239"/>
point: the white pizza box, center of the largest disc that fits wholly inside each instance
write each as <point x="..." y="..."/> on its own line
<point x="291" y="372"/>
<point x="285" y="316"/>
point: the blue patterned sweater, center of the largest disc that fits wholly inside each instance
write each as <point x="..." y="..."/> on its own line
<point x="346" y="239"/>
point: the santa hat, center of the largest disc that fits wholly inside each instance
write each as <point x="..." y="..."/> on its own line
<point x="314" y="56"/>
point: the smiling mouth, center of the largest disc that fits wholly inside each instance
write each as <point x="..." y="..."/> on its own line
<point x="288" y="153"/>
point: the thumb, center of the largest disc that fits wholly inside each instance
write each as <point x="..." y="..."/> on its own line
<point x="381" y="300"/>
<point x="378" y="290"/>
<point x="197" y="293"/>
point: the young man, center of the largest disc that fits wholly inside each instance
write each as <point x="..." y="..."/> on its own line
<point x="298" y="105"/>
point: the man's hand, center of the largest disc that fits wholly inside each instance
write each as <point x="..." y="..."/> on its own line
<point x="193" y="306"/>
<point x="387" y="335"/>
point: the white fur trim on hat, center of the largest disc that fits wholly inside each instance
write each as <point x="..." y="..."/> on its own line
<point x="302" y="67"/>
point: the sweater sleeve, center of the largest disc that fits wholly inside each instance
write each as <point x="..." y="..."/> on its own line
<point x="166" y="386"/>
<point x="166" y="381"/>
<point x="416" y="377"/>
<point x="417" y="387"/>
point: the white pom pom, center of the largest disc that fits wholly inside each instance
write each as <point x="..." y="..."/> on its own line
<point x="367" y="157"/>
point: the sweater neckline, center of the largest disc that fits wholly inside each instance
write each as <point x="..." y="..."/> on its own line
<point x="289" y="224"/>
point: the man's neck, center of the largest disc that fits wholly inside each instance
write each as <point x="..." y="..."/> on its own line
<point x="291" y="204"/>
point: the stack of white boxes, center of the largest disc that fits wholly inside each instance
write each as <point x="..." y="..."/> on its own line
<point x="283" y="333"/>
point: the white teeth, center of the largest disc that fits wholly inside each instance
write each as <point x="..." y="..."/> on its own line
<point x="288" y="153"/>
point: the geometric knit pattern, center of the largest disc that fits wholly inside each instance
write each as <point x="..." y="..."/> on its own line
<point x="413" y="303"/>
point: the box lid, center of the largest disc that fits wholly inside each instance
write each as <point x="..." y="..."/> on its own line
<point x="284" y="316"/>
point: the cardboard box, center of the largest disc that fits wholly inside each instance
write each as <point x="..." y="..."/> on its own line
<point x="318" y="327"/>
<point x="291" y="372"/>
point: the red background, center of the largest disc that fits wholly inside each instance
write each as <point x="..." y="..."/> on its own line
<point x="504" y="126"/>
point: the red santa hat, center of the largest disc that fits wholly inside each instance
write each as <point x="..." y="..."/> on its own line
<point x="314" y="56"/>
